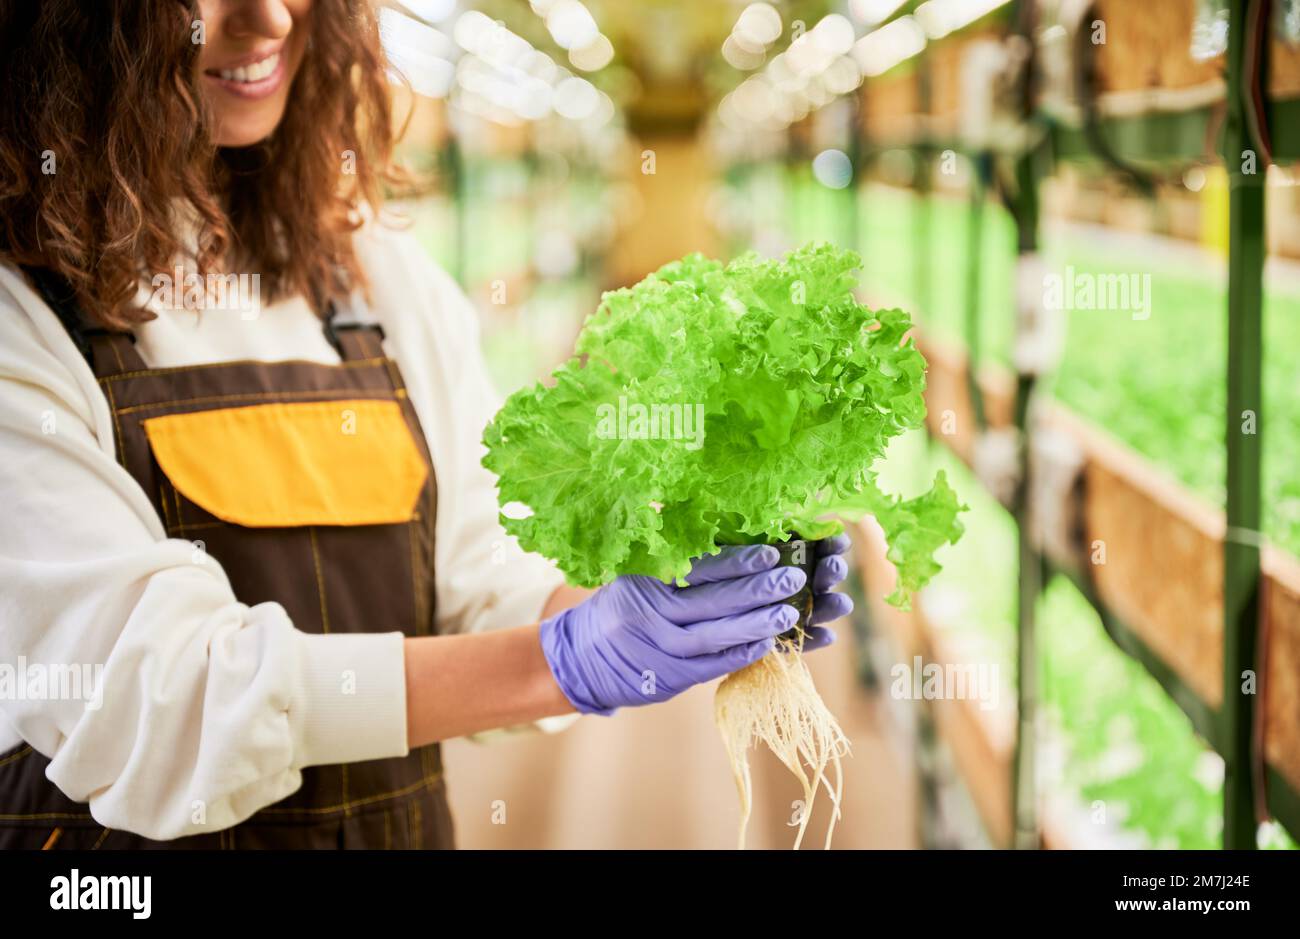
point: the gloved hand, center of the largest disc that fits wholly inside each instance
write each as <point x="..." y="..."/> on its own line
<point x="827" y="605"/>
<point x="638" y="640"/>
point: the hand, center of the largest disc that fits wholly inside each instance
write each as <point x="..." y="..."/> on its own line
<point x="827" y="605"/>
<point x="638" y="640"/>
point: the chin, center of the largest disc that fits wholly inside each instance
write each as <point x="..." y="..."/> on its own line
<point x="246" y="133"/>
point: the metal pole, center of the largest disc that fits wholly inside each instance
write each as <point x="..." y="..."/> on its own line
<point x="855" y="153"/>
<point x="865" y="152"/>
<point x="1247" y="249"/>
<point x="980" y="171"/>
<point x="459" y="193"/>
<point x="922" y="183"/>
<point x="1025" y="803"/>
<point x="1024" y="797"/>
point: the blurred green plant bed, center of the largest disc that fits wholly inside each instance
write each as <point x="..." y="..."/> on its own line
<point x="524" y="338"/>
<point x="497" y="237"/>
<point x="541" y="334"/>
<point x="1122" y="752"/>
<point x="1156" y="383"/>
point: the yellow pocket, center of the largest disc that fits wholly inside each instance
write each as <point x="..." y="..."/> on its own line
<point x="349" y="462"/>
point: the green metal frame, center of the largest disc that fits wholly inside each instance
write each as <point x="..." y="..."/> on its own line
<point x="454" y="166"/>
<point x="1284" y="125"/>
<point x="1024" y="789"/>
<point x="1161" y="137"/>
<point x="923" y="169"/>
<point x="1178" y="136"/>
<point x="1241" y="569"/>
<point x="927" y="783"/>
<point x="981" y="171"/>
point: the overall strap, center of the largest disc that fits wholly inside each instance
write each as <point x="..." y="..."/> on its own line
<point x="356" y="338"/>
<point x="107" y="352"/>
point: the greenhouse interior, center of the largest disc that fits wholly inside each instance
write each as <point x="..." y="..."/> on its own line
<point x="1091" y="211"/>
<point x="685" y="425"/>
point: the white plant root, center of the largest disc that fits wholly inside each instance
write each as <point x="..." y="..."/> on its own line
<point x="775" y="702"/>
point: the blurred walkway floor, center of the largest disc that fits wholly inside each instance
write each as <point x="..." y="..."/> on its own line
<point x="657" y="777"/>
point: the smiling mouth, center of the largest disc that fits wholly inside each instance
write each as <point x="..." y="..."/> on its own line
<point x="247" y="74"/>
<point x="252" y="79"/>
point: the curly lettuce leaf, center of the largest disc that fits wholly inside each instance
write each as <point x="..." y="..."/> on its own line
<point x="714" y="404"/>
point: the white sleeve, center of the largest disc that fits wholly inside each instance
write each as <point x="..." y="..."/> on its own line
<point x="484" y="579"/>
<point x="205" y="709"/>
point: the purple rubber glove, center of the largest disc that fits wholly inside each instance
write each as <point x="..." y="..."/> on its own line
<point x="638" y="640"/>
<point x="827" y="606"/>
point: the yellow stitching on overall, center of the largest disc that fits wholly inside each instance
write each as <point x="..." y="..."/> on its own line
<point x="426" y="783"/>
<point x="24" y="751"/>
<point x="393" y="376"/>
<point x="266" y="396"/>
<point x="421" y="628"/>
<point x="117" y="428"/>
<point x="320" y="580"/>
<point x="18" y="816"/>
<point x="175" y="369"/>
<point x="176" y="496"/>
<point x="167" y="518"/>
<point x="199" y="526"/>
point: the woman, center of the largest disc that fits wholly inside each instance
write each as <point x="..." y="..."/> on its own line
<point x="239" y="441"/>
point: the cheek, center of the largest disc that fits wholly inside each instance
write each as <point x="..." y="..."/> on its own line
<point x="301" y="11"/>
<point x="298" y="39"/>
<point x="210" y="27"/>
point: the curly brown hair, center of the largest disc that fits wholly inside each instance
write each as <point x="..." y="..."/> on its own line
<point x="105" y="94"/>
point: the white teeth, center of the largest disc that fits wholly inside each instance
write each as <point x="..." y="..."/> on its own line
<point x="252" y="73"/>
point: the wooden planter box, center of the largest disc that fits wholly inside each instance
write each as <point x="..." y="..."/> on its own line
<point x="981" y="741"/>
<point x="1284" y="70"/>
<point x="1148" y="45"/>
<point x="1144" y="65"/>
<point x="1163" y="570"/>
<point x="946" y="62"/>
<point x="890" y="107"/>
<point x="1280" y="607"/>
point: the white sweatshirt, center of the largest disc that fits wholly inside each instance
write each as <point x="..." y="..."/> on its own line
<point x="203" y="698"/>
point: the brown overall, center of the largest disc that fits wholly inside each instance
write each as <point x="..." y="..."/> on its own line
<point x="329" y="577"/>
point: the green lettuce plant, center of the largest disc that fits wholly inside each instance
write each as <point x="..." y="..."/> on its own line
<point x="715" y="404"/>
